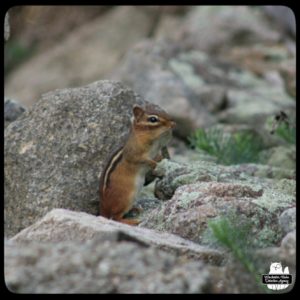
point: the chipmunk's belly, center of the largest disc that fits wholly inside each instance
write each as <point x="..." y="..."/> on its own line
<point x="153" y="152"/>
<point x="139" y="181"/>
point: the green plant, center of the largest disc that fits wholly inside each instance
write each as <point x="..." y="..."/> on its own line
<point x="286" y="132"/>
<point x="236" y="148"/>
<point x="283" y="125"/>
<point x="235" y="235"/>
<point x="15" y="54"/>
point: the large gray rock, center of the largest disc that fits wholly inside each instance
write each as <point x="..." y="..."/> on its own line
<point x="64" y="225"/>
<point x="288" y="244"/>
<point x="87" y="54"/>
<point x="99" y="266"/>
<point x="55" y="152"/>
<point x="69" y="252"/>
<point x="287" y="220"/>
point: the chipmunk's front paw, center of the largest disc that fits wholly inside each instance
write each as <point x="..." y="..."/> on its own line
<point x="136" y="209"/>
<point x="152" y="164"/>
<point x="158" y="158"/>
<point x="132" y="222"/>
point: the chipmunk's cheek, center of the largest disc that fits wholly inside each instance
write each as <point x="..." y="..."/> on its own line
<point x="167" y="133"/>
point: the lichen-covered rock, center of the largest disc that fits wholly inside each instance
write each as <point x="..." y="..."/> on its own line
<point x="287" y="220"/>
<point x="264" y="171"/>
<point x="55" y="152"/>
<point x="288" y="244"/>
<point x="276" y="64"/>
<point x="282" y="156"/>
<point x="192" y="206"/>
<point x="231" y="26"/>
<point x="200" y="84"/>
<point x="204" y="76"/>
<point x="255" y="102"/>
<point x="146" y="68"/>
<point x="99" y="266"/>
<point x="174" y="174"/>
<point x="62" y="225"/>
<point x="235" y="95"/>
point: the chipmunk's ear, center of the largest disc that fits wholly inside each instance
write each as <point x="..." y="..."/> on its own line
<point x="137" y="112"/>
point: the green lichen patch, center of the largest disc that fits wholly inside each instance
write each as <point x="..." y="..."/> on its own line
<point x="287" y="186"/>
<point x="186" y="72"/>
<point x="274" y="200"/>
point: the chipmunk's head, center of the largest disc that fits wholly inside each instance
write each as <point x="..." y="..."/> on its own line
<point x="151" y="120"/>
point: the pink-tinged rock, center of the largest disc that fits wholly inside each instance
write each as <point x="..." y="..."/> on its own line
<point x="188" y="212"/>
<point x="61" y="225"/>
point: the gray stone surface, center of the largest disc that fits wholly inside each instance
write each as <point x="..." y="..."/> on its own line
<point x="282" y="156"/>
<point x="146" y="68"/>
<point x="49" y="257"/>
<point x="232" y="94"/>
<point x="64" y="225"/>
<point x="175" y="174"/>
<point x="287" y="220"/>
<point x="55" y="153"/>
<point x="188" y="212"/>
<point x="205" y="88"/>
<point x="288" y="244"/>
<point x="12" y="110"/>
<point x="232" y="25"/>
<point x="99" y="266"/>
<point x="74" y="252"/>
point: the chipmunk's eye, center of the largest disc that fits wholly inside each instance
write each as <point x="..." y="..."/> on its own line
<point x="153" y="119"/>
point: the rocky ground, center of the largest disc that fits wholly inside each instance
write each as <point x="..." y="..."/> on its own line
<point x="206" y="226"/>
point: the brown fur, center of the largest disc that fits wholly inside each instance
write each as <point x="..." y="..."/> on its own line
<point x="117" y="192"/>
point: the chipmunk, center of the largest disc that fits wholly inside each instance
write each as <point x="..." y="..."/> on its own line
<point x="124" y="174"/>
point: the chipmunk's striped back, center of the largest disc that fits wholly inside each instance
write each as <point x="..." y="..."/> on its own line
<point x="110" y="165"/>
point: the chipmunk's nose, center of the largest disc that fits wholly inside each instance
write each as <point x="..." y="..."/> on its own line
<point x="173" y="124"/>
